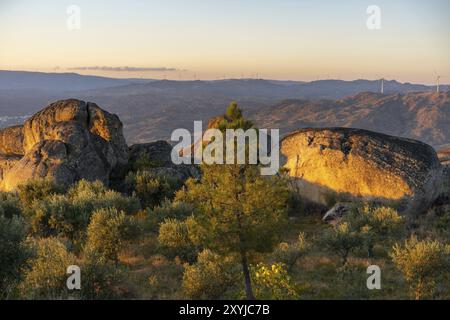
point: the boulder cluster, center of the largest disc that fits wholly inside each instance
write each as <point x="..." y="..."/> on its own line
<point x="71" y="140"/>
<point x="68" y="141"/>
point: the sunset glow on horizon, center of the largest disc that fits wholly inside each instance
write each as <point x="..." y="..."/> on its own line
<point x="194" y="39"/>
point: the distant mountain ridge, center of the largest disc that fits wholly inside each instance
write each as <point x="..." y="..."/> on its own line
<point x="423" y="116"/>
<point x="59" y="82"/>
<point x="152" y="109"/>
<point x="52" y="82"/>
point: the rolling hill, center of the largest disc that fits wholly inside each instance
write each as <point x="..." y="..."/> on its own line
<point x="423" y="116"/>
<point x="152" y="109"/>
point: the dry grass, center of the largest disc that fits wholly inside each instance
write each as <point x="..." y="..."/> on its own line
<point x="151" y="275"/>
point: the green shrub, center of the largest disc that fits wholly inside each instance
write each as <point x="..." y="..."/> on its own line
<point x="168" y="210"/>
<point x="69" y="215"/>
<point x="90" y="196"/>
<point x="105" y="235"/>
<point x="376" y="224"/>
<point x="288" y="253"/>
<point x="13" y="253"/>
<point x="54" y="216"/>
<point x="144" y="162"/>
<point x="211" y="277"/>
<point x="439" y="226"/>
<point x="341" y="240"/>
<point x="150" y="188"/>
<point x="272" y="282"/>
<point x="99" y="278"/>
<point x="38" y="189"/>
<point x="9" y="205"/>
<point x="332" y="197"/>
<point x="295" y="204"/>
<point x="350" y="282"/>
<point x="424" y="265"/>
<point x="174" y="236"/>
<point x="45" y="277"/>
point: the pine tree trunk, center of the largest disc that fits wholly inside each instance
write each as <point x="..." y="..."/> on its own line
<point x="247" y="279"/>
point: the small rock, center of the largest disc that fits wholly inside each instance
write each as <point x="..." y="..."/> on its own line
<point x="337" y="212"/>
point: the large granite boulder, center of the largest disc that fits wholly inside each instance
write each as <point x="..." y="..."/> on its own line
<point x="67" y="141"/>
<point x="354" y="164"/>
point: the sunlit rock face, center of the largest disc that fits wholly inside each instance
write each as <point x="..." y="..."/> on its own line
<point x="11" y="141"/>
<point x="67" y="141"/>
<point x="345" y="163"/>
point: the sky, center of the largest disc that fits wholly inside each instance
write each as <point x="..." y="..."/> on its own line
<point x="210" y="39"/>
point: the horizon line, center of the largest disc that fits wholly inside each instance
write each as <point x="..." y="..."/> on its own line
<point x="216" y="80"/>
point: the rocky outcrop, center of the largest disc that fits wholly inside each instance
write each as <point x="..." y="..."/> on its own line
<point x="11" y="141"/>
<point x="444" y="155"/>
<point x="154" y="153"/>
<point x="6" y="163"/>
<point x="156" y="157"/>
<point x="353" y="164"/>
<point x="67" y="141"/>
<point x="11" y="148"/>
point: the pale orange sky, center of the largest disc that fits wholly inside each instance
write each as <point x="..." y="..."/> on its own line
<point x="296" y="40"/>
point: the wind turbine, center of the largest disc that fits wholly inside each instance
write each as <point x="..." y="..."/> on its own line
<point x="381" y="83"/>
<point x="438" y="77"/>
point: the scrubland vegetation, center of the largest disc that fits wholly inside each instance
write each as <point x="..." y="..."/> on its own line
<point x="232" y="234"/>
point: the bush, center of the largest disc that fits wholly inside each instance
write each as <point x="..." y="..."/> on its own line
<point x="350" y="282"/>
<point x="212" y="277"/>
<point x="150" y="188"/>
<point x="168" y="210"/>
<point x="38" y="189"/>
<point x="90" y="196"/>
<point x="9" y="205"/>
<point x="424" y="264"/>
<point x="144" y="162"/>
<point x="341" y="240"/>
<point x="69" y="215"/>
<point x="434" y="225"/>
<point x="376" y="224"/>
<point x="288" y="254"/>
<point x="332" y="197"/>
<point x="105" y="235"/>
<point x="13" y="253"/>
<point x="99" y="278"/>
<point x="46" y="276"/>
<point x="55" y="217"/>
<point x="295" y="204"/>
<point x="174" y="235"/>
<point x="272" y="282"/>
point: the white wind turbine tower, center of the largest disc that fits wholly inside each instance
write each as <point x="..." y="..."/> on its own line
<point x="438" y="81"/>
<point x="381" y="83"/>
<point x="438" y="78"/>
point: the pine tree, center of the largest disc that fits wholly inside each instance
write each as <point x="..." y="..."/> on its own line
<point x="237" y="211"/>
